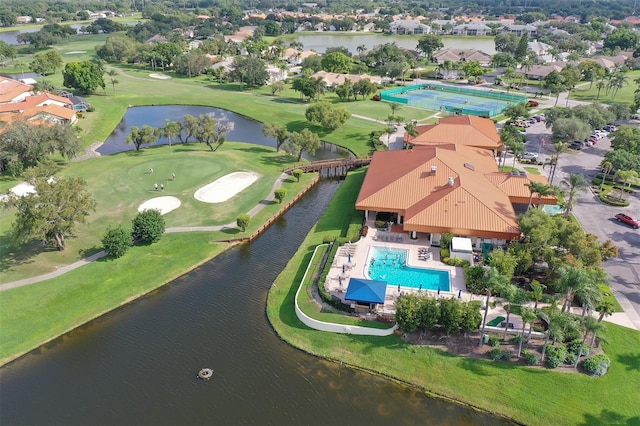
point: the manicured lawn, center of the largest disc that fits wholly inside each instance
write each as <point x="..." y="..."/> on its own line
<point x="624" y="95"/>
<point x="36" y="313"/>
<point x="121" y="182"/>
<point x="529" y="395"/>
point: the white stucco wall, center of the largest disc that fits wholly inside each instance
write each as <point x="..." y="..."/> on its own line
<point x="333" y="327"/>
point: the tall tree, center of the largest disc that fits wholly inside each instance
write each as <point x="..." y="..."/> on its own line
<point x="84" y="76"/>
<point x="304" y="141"/>
<point x="276" y="131"/>
<point x="171" y="130"/>
<point x="574" y="183"/>
<point x="493" y="281"/>
<point x="113" y="80"/>
<point x="146" y="135"/>
<point x="528" y="317"/>
<point x="53" y="210"/>
<point x="429" y="43"/>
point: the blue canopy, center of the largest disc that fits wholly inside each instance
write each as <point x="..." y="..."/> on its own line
<point x="367" y="291"/>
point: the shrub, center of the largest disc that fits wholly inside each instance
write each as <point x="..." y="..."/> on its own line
<point x="279" y="194"/>
<point x="474" y="278"/>
<point x="555" y="355"/>
<point x="507" y="355"/>
<point x="243" y="221"/>
<point x="495" y="354"/>
<point x="454" y="261"/>
<point x="574" y="347"/>
<point x="516" y="339"/>
<point x="570" y="359"/>
<point x="148" y="226"/>
<point x="530" y="358"/>
<point x="597" y="365"/>
<point x="494" y="341"/>
<point x="117" y="241"/>
<point x="444" y="252"/>
<point x="377" y="97"/>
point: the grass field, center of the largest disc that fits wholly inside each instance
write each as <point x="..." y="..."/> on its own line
<point x="534" y="396"/>
<point x="121" y="182"/>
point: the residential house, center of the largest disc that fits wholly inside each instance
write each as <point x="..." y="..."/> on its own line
<point x="332" y="79"/>
<point x="519" y="29"/>
<point x="409" y="26"/>
<point x="24" y="19"/>
<point x="472" y="29"/>
<point x="295" y="56"/>
<point x="13" y="90"/>
<point x="447" y="187"/>
<point x="539" y="72"/>
<point x="42" y="107"/>
<point x="456" y="55"/>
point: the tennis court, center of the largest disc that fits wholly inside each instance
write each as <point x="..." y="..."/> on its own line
<point x="454" y="100"/>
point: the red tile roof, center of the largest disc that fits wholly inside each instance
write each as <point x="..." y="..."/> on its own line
<point x="461" y="129"/>
<point x="402" y="182"/>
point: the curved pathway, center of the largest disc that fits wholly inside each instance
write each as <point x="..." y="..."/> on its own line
<point x="64" y="269"/>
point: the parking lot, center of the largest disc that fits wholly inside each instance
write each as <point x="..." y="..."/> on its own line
<point x="598" y="218"/>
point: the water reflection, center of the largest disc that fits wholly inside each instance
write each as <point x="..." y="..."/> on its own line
<point x="245" y="129"/>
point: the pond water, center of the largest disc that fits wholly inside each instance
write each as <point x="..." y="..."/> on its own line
<point x="137" y="365"/>
<point x="320" y="42"/>
<point x="245" y="129"/>
<point x="11" y="37"/>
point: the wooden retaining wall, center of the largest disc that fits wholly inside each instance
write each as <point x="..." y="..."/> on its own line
<point x="275" y="217"/>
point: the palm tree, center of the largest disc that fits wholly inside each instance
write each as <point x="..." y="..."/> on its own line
<point x="395" y="107"/>
<point x="589" y="294"/>
<point x="537" y="291"/>
<point x="574" y="183"/>
<point x="170" y="130"/>
<point x="553" y="326"/>
<point x="606" y="308"/>
<point x="493" y="280"/>
<point x="589" y="324"/>
<point x="606" y="166"/>
<point x="534" y="188"/>
<point x="571" y="278"/>
<point x="544" y="191"/>
<point x="113" y="80"/>
<point x="528" y="317"/>
<point x="560" y="148"/>
<point x="361" y="49"/>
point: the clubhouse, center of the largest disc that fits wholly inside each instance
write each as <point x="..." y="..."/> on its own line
<point x="448" y="182"/>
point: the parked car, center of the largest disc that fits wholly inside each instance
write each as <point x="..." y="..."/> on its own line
<point x="539" y="118"/>
<point x="533" y="103"/>
<point x="593" y="140"/>
<point x="634" y="223"/>
<point x="610" y="128"/>
<point x="530" y="156"/>
<point x="577" y="145"/>
<point x="533" y="120"/>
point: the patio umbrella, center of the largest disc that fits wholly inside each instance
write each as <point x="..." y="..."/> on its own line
<point x="420" y="289"/>
<point x="349" y="257"/>
<point x="438" y="291"/>
<point x="398" y="288"/>
<point x="460" y="294"/>
<point x="343" y="268"/>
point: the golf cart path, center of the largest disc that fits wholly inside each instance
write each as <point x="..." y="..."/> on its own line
<point x="75" y="265"/>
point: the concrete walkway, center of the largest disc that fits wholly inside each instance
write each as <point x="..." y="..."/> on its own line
<point x="64" y="269"/>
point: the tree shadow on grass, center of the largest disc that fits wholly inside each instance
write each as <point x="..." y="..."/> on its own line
<point x="282" y="160"/>
<point x="609" y="417"/>
<point x="14" y="254"/>
<point x="631" y="361"/>
<point x="256" y="150"/>
<point x="86" y="252"/>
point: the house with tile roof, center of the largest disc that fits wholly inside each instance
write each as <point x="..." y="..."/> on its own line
<point x="13" y="90"/>
<point x="448" y="186"/>
<point x="43" y="107"/>
<point x="332" y="79"/>
<point x="456" y="55"/>
<point x="467" y="130"/>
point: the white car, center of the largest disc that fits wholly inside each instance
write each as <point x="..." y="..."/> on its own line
<point x="529" y="156"/>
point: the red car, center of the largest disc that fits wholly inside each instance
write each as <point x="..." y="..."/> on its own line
<point x="634" y="223"/>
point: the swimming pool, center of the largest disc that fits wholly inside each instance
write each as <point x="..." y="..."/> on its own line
<point x="552" y="210"/>
<point x="390" y="265"/>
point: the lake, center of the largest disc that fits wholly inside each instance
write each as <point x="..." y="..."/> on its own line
<point x="320" y="41"/>
<point x="137" y="365"/>
<point x="245" y="129"/>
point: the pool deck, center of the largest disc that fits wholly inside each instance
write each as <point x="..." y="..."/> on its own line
<point x="338" y="281"/>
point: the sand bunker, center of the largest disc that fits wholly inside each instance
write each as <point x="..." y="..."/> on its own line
<point x="76" y="52"/>
<point x="164" y="204"/>
<point x="226" y="187"/>
<point x="160" y="76"/>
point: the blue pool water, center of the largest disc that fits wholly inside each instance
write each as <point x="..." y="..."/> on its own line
<point x="553" y="210"/>
<point x="389" y="264"/>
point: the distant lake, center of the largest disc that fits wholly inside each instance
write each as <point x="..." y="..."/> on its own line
<point x="320" y="41"/>
<point x="245" y="129"/>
